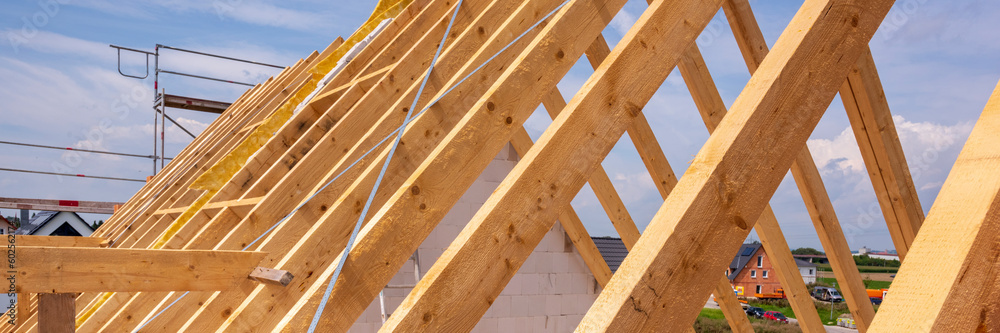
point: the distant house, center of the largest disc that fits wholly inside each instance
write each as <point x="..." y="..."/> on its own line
<point x="612" y="249"/>
<point x="5" y="226"/>
<point x="876" y="254"/>
<point x="807" y="270"/>
<point x="55" y="224"/>
<point x="751" y="271"/>
<point x="812" y="258"/>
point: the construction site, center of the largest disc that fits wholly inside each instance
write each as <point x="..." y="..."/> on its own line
<point x="388" y="182"/>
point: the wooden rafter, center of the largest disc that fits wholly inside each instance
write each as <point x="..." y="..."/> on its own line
<point x="515" y="219"/>
<point x="807" y="178"/>
<point x="317" y="170"/>
<point x="958" y="294"/>
<point x="717" y="190"/>
<point x="74" y="270"/>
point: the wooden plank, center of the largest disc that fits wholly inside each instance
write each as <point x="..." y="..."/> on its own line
<point x="867" y="109"/>
<point x="808" y="180"/>
<point x="664" y="178"/>
<point x="62" y="270"/>
<point x="23" y="309"/>
<point x="68" y="204"/>
<point x="56" y="313"/>
<point x="958" y="294"/>
<point x="153" y="228"/>
<point x="57" y="208"/>
<point x="212" y="226"/>
<point x="661" y="285"/>
<point x="571" y="222"/>
<point x="59" y="241"/>
<point x="272" y="276"/>
<point x="297" y="170"/>
<point x="222" y="140"/>
<point x="439" y="118"/>
<point x="713" y="110"/>
<point x="504" y="232"/>
<point x="166" y="195"/>
<point x="214" y="205"/>
<point x="231" y="244"/>
<point x="122" y="220"/>
<point x="662" y="174"/>
<point x="730" y="306"/>
<point x="336" y="222"/>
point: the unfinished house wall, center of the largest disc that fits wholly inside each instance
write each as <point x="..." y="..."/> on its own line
<point x="550" y="293"/>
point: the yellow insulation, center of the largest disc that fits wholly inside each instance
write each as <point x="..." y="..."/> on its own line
<point x="224" y="170"/>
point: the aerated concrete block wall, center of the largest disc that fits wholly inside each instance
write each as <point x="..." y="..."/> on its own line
<point x="550" y="293"/>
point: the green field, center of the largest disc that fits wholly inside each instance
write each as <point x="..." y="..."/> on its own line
<point x="713" y="321"/>
<point x="862" y="269"/>
<point x="869" y="284"/>
<point x="822" y="308"/>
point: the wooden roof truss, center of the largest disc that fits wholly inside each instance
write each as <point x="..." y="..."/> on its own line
<point x="664" y="281"/>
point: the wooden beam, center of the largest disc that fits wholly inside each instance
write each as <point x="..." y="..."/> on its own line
<point x="205" y="238"/>
<point x="958" y="294"/>
<point x="662" y="174"/>
<point x="272" y="276"/>
<point x="808" y="180"/>
<point x="867" y="109"/>
<point x="221" y="141"/>
<point x="122" y="222"/>
<point x="214" y="205"/>
<point x="336" y="223"/>
<point x="72" y="270"/>
<point x="439" y="118"/>
<point x="23" y="309"/>
<point x="56" y="313"/>
<point x="730" y="306"/>
<point x="713" y="110"/>
<point x="662" y="283"/>
<point x="571" y="222"/>
<point x="96" y="207"/>
<point x="507" y="228"/>
<point x="59" y="241"/>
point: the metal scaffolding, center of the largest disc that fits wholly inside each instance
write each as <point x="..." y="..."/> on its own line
<point x="162" y="101"/>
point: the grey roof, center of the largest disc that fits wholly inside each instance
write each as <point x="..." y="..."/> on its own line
<point x="612" y="249"/>
<point x="803" y="263"/>
<point x="39" y="220"/>
<point x="744" y="256"/>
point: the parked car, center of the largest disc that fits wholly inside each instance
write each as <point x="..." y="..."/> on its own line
<point x="755" y="312"/>
<point x="827" y="294"/>
<point x="776" y="316"/>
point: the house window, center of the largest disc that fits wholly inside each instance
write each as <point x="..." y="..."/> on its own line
<point x="760" y="261"/>
<point x="810" y="271"/>
<point x="758" y="289"/>
<point x="753" y="273"/>
<point x="765" y="274"/>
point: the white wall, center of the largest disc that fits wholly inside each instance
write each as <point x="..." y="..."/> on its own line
<point x="807" y="276"/>
<point x="550" y="293"/>
<point x="64" y="217"/>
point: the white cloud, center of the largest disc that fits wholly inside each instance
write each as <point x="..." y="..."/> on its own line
<point x="921" y="141"/>
<point x="634" y="187"/>
<point x="623" y="21"/>
<point x="263" y="13"/>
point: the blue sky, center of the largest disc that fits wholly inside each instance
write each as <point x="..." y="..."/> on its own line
<point x="59" y="86"/>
